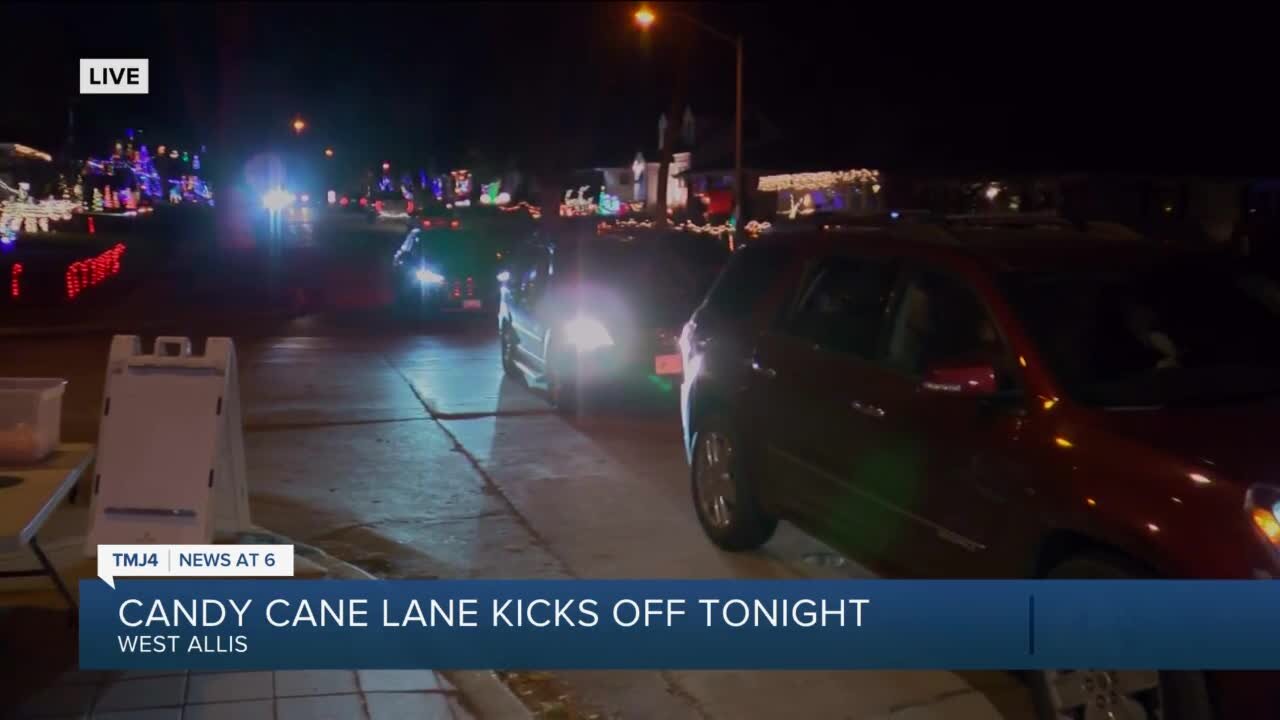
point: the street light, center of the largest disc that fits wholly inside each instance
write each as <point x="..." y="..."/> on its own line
<point x="645" y="18"/>
<point x="299" y="125"/>
<point x="328" y="152"/>
<point x="386" y="166"/>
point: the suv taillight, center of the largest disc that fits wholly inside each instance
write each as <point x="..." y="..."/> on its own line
<point x="1262" y="502"/>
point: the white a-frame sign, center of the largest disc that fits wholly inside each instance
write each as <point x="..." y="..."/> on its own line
<point x="170" y="465"/>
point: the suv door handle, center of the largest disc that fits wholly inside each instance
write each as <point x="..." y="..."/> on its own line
<point x="759" y="369"/>
<point x="867" y="409"/>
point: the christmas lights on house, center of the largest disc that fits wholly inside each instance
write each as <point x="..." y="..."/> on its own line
<point x="817" y="180"/>
<point x="534" y="211"/>
<point x="24" y="151"/>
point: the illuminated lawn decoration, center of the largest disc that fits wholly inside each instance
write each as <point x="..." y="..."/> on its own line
<point x="84" y="274"/>
<point x="35" y="217"/>
<point x="609" y="204"/>
<point x="579" y="204"/>
<point x="461" y="183"/>
<point x="491" y="194"/>
<point x="799" y="205"/>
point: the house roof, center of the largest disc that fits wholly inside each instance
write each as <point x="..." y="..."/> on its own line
<point x="23" y="151"/>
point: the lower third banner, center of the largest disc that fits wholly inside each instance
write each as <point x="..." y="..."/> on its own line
<point x="673" y="624"/>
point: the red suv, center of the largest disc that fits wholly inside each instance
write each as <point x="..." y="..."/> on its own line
<point x="981" y="399"/>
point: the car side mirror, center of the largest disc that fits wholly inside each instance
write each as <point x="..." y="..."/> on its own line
<point x="960" y="378"/>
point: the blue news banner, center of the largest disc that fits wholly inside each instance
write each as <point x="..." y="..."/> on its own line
<point x="694" y="624"/>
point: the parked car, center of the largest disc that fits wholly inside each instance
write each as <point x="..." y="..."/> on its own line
<point x="388" y="206"/>
<point x="585" y="310"/>
<point x="998" y="402"/>
<point x="353" y="201"/>
<point x="437" y="216"/>
<point x="439" y="268"/>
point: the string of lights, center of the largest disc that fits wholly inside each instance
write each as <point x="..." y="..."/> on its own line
<point x="35" y="217"/>
<point x="817" y="180"/>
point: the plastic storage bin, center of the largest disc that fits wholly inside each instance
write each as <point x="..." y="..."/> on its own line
<point x="30" y="418"/>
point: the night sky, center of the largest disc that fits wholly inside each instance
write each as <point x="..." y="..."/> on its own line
<point x="973" y="88"/>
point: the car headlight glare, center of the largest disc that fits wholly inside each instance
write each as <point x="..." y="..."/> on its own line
<point x="585" y="333"/>
<point x="426" y="276"/>
<point x="277" y="200"/>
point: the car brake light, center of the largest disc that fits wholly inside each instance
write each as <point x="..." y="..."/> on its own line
<point x="408" y="206"/>
<point x="426" y="223"/>
<point x="454" y="224"/>
<point x="1262" y="502"/>
<point x="343" y="202"/>
<point x="364" y="202"/>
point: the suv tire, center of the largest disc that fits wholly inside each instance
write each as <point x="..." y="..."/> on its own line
<point x="1182" y="695"/>
<point x="724" y="492"/>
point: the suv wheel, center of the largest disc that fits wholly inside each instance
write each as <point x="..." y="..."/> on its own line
<point x="564" y="393"/>
<point x="724" y="496"/>
<point x="1136" y="694"/>
<point x="509" y="352"/>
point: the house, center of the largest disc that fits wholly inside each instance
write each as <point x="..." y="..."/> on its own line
<point x="700" y="176"/>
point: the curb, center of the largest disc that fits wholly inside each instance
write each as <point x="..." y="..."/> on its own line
<point x="481" y="691"/>
<point x="53" y="330"/>
<point x="113" y="328"/>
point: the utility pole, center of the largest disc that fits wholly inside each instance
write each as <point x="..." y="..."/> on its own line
<point x="739" y="188"/>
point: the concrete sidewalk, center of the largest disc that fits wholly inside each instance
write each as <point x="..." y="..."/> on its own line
<point x="281" y="695"/>
<point x="263" y="695"/>
<point x="33" y="625"/>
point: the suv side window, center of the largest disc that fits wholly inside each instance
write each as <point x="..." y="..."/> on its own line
<point x="842" y="306"/>
<point x="749" y="275"/>
<point x="940" y="319"/>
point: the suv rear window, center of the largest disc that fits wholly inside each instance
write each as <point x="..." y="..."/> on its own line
<point x="750" y="274"/>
